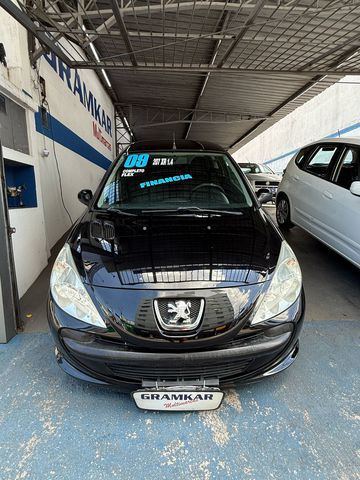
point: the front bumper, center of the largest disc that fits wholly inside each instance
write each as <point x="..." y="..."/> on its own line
<point x="265" y="189"/>
<point x="87" y="354"/>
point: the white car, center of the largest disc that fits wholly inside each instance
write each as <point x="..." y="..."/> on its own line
<point x="262" y="178"/>
<point x="320" y="192"/>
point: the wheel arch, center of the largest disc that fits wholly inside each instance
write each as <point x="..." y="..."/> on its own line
<point x="283" y="195"/>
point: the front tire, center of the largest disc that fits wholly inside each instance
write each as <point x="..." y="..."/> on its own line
<point x="283" y="213"/>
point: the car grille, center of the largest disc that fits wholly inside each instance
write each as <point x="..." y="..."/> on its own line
<point x="218" y="311"/>
<point x="163" y="305"/>
<point x="266" y="183"/>
<point x="221" y="370"/>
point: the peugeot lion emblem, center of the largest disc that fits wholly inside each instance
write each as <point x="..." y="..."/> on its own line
<point x="182" y="310"/>
<point x="174" y="314"/>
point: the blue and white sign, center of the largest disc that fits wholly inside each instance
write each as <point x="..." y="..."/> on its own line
<point x="79" y="88"/>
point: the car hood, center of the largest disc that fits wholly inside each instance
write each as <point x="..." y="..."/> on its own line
<point x="264" y="177"/>
<point x="175" y="251"/>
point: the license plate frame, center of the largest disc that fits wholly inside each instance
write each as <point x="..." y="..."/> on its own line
<point x="178" y="399"/>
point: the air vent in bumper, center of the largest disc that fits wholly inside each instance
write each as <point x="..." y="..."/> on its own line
<point x="190" y="370"/>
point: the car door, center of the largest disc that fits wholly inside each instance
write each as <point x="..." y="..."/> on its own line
<point x="311" y="207"/>
<point x="341" y="212"/>
<point x="294" y="185"/>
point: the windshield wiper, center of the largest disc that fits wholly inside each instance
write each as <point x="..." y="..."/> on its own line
<point x="120" y="212"/>
<point x="208" y="210"/>
<point x="194" y="210"/>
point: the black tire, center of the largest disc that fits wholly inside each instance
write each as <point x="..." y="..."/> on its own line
<point x="283" y="213"/>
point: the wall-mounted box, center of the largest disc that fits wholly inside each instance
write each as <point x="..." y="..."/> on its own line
<point x="20" y="184"/>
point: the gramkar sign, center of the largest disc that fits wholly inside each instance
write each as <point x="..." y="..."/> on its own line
<point x="79" y="88"/>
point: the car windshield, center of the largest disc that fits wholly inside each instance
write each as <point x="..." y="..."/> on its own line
<point x="174" y="180"/>
<point x="255" y="168"/>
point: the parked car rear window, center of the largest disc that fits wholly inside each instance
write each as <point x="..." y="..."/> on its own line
<point x="255" y="168"/>
<point x="174" y="179"/>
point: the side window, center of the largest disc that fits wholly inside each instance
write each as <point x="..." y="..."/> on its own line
<point x="301" y="156"/>
<point x="349" y="170"/>
<point x="319" y="163"/>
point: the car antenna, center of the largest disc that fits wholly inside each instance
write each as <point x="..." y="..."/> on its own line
<point x="174" y="143"/>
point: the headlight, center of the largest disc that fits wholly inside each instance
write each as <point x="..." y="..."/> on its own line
<point x="69" y="292"/>
<point x="284" y="288"/>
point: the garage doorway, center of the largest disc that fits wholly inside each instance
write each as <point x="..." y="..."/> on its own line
<point x="10" y="320"/>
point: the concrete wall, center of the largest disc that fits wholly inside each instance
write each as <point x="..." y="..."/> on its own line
<point x="335" y="112"/>
<point x="16" y="83"/>
<point x="29" y="242"/>
<point x="78" y="137"/>
<point x="65" y="97"/>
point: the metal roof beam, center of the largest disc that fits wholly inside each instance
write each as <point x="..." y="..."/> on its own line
<point x="121" y="24"/>
<point x="197" y="5"/>
<point x="183" y="111"/>
<point x="337" y="63"/>
<point x="104" y="27"/>
<point x="223" y="21"/>
<point x="210" y="122"/>
<point x="203" y="69"/>
<point x="178" y="7"/>
<point x="214" y="36"/>
<point x="290" y="99"/>
<point x="264" y="39"/>
<point x="56" y="36"/>
<point x="250" y="20"/>
<point x="327" y="53"/>
<point x="144" y="34"/>
<point x="155" y="116"/>
<point x="27" y="23"/>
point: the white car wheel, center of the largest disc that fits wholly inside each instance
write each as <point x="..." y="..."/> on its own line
<point x="283" y="213"/>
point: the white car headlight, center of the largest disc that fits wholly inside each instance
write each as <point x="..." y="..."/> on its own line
<point x="69" y="292"/>
<point x="284" y="289"/>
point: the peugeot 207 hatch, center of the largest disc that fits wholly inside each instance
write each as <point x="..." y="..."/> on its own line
<point x="175" y="284"/>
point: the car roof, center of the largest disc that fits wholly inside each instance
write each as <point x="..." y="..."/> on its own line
<point x="340" y="140"/>
<point x="168" y="145"/>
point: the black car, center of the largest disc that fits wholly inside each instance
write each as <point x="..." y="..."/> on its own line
<point x="175" y="284"/>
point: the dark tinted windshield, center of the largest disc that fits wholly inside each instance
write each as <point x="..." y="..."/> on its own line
<point x="174" y="179"/>
<point x="255" y="168"/>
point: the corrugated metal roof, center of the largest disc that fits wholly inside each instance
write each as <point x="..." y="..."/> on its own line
<point x="221" y="70"/>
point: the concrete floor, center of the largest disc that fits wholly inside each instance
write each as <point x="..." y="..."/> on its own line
<point x="33" y="303"/>
<point x="303" y="424"/>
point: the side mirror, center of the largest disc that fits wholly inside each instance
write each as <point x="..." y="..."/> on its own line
<point x="265" y="198"/>
<point x="284" y="171"/>
<point x="85" y="196"/>
<point x="355" y="188"/>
